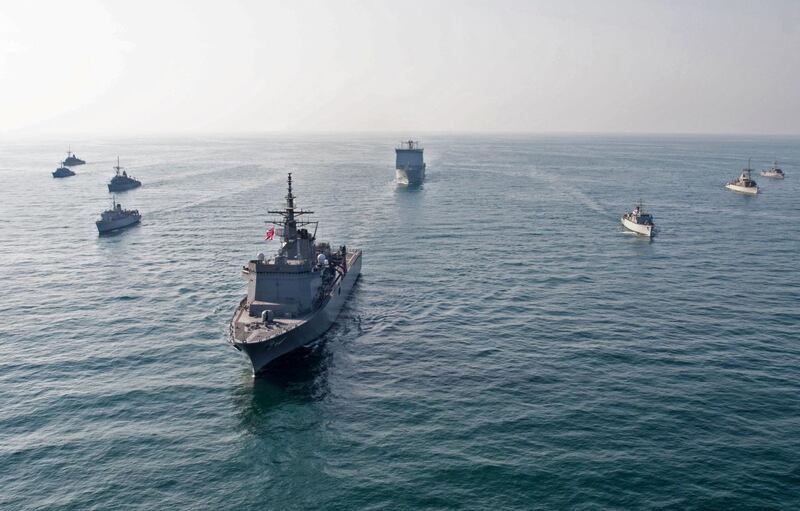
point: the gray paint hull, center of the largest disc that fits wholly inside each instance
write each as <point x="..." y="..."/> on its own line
<point x="123" y="187"/>
<point x="262" y="353"/>
<point x="411" y="176"/>
<point x="104" y="227"/>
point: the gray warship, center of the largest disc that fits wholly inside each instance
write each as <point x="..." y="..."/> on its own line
<point x="294" y="297"/>
<point x="117" y="218"/>
<point x="122" y="181"/>
<point x="409" y="163"/>
<point x="72" y="160"/>
<point x="63" y="171"/>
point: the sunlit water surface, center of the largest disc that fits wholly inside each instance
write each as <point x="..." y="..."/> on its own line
<point x="507" y="346"/>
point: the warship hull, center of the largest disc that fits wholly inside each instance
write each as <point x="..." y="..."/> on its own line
<point x="751" y="190"/>
<point x="307" y="331"/>
<point x="123" y="187"/>
<point x="411" y="176"/>
<point x="772" y="175"/>
<point x="105" y="227"/>
<point x="644" y="230"/>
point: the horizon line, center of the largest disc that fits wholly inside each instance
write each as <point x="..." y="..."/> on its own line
<point x="413" y="133"/>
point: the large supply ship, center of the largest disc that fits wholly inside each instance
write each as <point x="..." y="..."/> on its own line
<point x="409" y="164"/>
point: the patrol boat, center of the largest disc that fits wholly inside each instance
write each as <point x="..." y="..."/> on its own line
<point x="409" y="164"/>
<point x="63" y="171"/>
<point x="774" y="172"/>
<point x="294" y="297"/>
<point x="72" y="160"/>
<point x="638" y="221"/>
<point x="122" y="181"/>
<point x="117" y="218"/>
<point x="743" y="184"/>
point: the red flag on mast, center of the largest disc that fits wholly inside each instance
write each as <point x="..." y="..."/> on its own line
<point x="270" y="233"/>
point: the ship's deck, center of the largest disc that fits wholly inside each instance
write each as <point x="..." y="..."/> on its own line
<point x="255" y="330"/>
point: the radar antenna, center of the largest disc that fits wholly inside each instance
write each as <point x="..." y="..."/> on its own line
<point x="289" y="214"/>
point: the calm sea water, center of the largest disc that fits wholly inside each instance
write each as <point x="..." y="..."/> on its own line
<point x="507" y="347"/>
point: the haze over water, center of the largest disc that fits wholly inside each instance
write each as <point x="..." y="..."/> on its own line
<point x="507" y="346"/>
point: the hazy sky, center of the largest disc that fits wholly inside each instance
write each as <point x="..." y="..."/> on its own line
<point x="140" y="67"/>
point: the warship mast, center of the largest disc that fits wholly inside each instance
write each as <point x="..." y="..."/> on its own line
<point x="289" y="223"/>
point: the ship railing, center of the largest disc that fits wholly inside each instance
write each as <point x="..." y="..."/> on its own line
<point x="409" y="145"/>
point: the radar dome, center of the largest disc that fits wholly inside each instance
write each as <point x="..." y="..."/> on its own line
<point x="260" y="256"/>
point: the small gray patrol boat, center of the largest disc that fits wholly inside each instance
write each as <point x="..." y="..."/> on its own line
<point x="122" y="181"/>
<point x="63" y="171"/>
<point x="72" y="160"/>
<point x="117" y="218"/>
<point x="775" y="172"/>
<point x="294" y="297"/>
<point x="409" y="163"/>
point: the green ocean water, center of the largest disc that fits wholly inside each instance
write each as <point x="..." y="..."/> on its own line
<point x="508" y="346"/>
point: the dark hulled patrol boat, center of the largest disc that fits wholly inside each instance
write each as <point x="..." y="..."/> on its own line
<point x="63" y="171"/>
<point x="72" y="160"/>
<point x="122" y="181"/>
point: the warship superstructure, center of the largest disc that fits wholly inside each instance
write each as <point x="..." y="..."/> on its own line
<point x="409" y="163"/>
<point x="294" y="297"/>
<point x="122" y="181"/>
<point x="117" y="218"/>
<point x="72" y="160"/>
